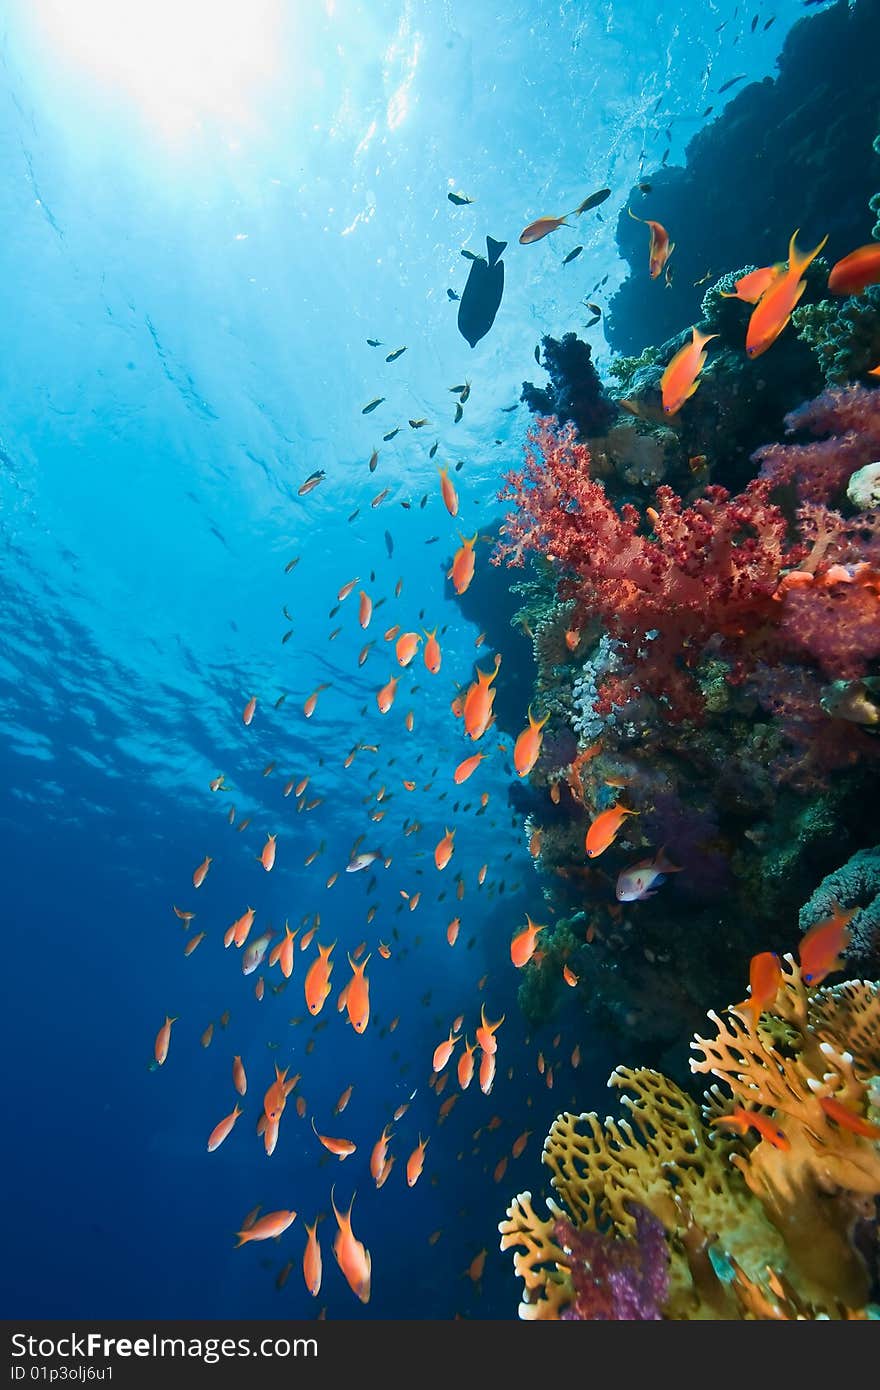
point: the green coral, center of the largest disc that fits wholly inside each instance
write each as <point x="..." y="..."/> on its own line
<point x="845" y="336"/>
<point x="623" y="369"/>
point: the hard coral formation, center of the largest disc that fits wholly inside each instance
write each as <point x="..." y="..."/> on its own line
<point x="855" y="885"/>
<point x="754" y="1227"/>
<point x="845" y="337"/>
<point x="827" y="64"/>
<point x="575" y="392"/>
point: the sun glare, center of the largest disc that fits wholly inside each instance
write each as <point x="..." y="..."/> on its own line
<point x="182" y="62"/>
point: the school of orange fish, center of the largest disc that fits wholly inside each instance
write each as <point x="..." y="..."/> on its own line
<point x="774" y="291"/>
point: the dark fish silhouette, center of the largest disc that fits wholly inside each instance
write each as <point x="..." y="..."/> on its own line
<point x="389" y="544"/>
<point x="482" y="294"/>
<point x="593" y="201"/>
<point x="725" y="86"/>
<point x="372" y="405"/>
<point x="393" y="356"/>
<point x="572" y="255"/>
<point x="391" y="434"/>
<point x="459" y="199"/>
<point x="450" y="294"/>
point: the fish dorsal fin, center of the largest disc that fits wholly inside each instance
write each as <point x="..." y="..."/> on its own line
<point x="495" y="249"/>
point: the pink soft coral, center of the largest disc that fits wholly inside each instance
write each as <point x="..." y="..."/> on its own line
<point x="708" y="569"/>
<point x="850" y="415"/>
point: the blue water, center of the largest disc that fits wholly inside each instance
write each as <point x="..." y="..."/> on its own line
<point x="201" y="228"/>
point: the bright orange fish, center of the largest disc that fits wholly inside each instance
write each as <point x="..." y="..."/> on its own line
<point x="660" y="248"/>
<point x="248" y="712"/>
<point x="220" y="1132"/>
<point x="572" y="638"/>
<point x="569" y="976"/>
<point x="341" y="1148"/>
<point x="487" y="1030"/>
<point x="311" y="702"/>
<point x="312" y="1268"/>
<point x="680" y="379"/>
<point x="346" y="590"/>
<point x="432" y="653"/>
<point x="443" y="1051"/>
<point x="751" y="287"/>
<point x="406" y="647"/>
<point x="240" y="928"/>
<point x="478" y="704"/>
<point x="380" y="1153"/>
<point x="275" y="1098"/>
<point x="201" y="871"/>
<point x="466" y="767"/>
<point x="273" y="1224"/>
<point x="239" y="1079"/>
<point x="462" y="570"/>
<point x="283" y="952"/>
<point x="163" y="1040"/>
<point x="384" y="950"/>
<point x="352" y="1256"/>
<point x="365" y="609"/>
<point x="317" y="983"/>
<point x="267" y="854"/>
<point x="447" y="489"/>
<point x="452" y="930"/>
<point x="765" y="977"/>
<point x="774" y="308"/>
<point x="466" y="1065"/>
<point x="742" y="1120"/>
<point x="500" y="1169"/>
<point x="385" y="697"/>
<point x="604" y="828"/>
<point x="528" y="745"/>
<point x="848" y="1119"/>
<point x="856" y="271"/>
<point x="522" y="947"/>
<point x="487" y="1072"/>
<point x="357" y="1000"/>
<point x="820" y="950"/>
<point x="444" y="848"/>
<point x="193" y="943"/>
<point x="416" y="1162"/>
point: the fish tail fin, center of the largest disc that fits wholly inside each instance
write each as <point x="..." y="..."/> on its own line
<point x="798" y="261"/>
<point x="663" y="865"/>
<point x="243" y="1237"/>
<point x="701" y="339"/>
<point x="495" y="249"/>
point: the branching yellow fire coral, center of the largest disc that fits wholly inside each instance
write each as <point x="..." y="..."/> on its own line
<point x="758" y="1224"/>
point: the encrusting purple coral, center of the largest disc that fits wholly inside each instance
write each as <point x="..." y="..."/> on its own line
<point x="617" y="1280"/>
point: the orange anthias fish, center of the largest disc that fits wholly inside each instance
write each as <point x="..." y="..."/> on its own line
<point x="848" y="1119"/>
<point x="267" y="854"/>
<point x="528" y="745"/>
<point x="248" y="712"/>
<point x="856" y="271"/>
<point x="569" y="976"/>
<point x="432" y="654"/>
<point x="462" y="571"/>
<point x="774" y="308"/>
<point x="311" y="702"/>
<point x="312" y="1268"/>
<point x="765" y="977"/>
<point x="384" y="950"/>
<point x="365" y="609"/>
<point x="522" y="947"/>
<point x="681" y="378"/>
<point x="406" y="647"/>
<point x="239" y="1079"/>
<point x="416" y="1162"/>
<point x="317" y="983"/>
<point x="385" y="697"/>
<point x="357" y="999"/>
<point x="541" y="227"/>
<point x="283" y="952"/>
<point x="466" y="1065"/>
<point x="742" y="1120"/>
<point x="274" y="1223"/>
<point x="200" y="873"/>
<point x="520" y="1143"/>
<point x="452" y="930"/>
<point x="604" y="828"/>
<point x="449" y="494"/>
<point x="749" y="288"/>
<point x="660" y="249"/>
<point x="240" y="928"/>
<point x="466" y="767"/>
<point x="443" y="1051"/>
<point x="352" y="1256"/>
<point x="478" y="704"/>
<point x="487" y="1030"/>
<point x="487" y="1072"/>
<point x="275" y="1098"/>
<point x="163" y="1040"/>
<point x="380" y="1153"/>
<point x="346" y="590"/>
<point x="341" y="1148"/>
<point x="444" y="848"/>
<point x="221" y="1131"/>
<point x="820" y="950"/>
<point x="476" y="1267"/>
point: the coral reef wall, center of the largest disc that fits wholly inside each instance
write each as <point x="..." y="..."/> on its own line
<point x="803" y="145"/>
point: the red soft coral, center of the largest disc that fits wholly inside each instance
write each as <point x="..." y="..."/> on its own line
<point x="850" y="415"/>
<point x="706" y="570"/>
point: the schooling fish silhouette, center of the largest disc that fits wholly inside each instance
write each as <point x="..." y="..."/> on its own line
<point x="482" y="294"/>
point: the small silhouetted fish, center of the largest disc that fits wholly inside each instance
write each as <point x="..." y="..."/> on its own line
<point x="591" y="323"/>
<point x="280" y="701"/>
<point x="374" y="342"/>
<point x="573" y="255"/>
<point x="393" y="356"/>
<point x="389" y="544"/>
<point x="391" y="434"/>
<point x="708" y="111"/>
<point x="725" y="86"/>
<point x="417" y="424"/>
<point x="433" y="449"/>
<point x="287" y="636"/>
<point x="459" y="199"/>
<point x="593" y="201"/>
<point x="458" y="413"/>
<point x="538" y="353"/>
<point x="424" y="502"/>
<point x="506" y="409"/>
<point x="377" y="502"/>
<point x="459" y="466"/>
<point x="593" y="308"/>
<point x="311" y="482"/>
<point x="354" y="514"/>
<point x="374" y="459"/>
<point x="771" y="20"/>
<point x="450" y="294"/>
<point x="287" y="615"/>
<point x="291" y="564"/>
<point x="665" y="155"/>
<point x="432" y="540"/>
<point x="482" y="294"/>
<point x="755" y="23"/>
<point x="472" y="256"/>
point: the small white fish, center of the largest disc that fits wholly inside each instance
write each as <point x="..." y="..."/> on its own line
<point x="642" y="880"/>
<point x="255" y="953"/>
<point x="362" y="861"/>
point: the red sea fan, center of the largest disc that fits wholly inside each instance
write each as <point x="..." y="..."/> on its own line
<point x="706" y="570"/>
